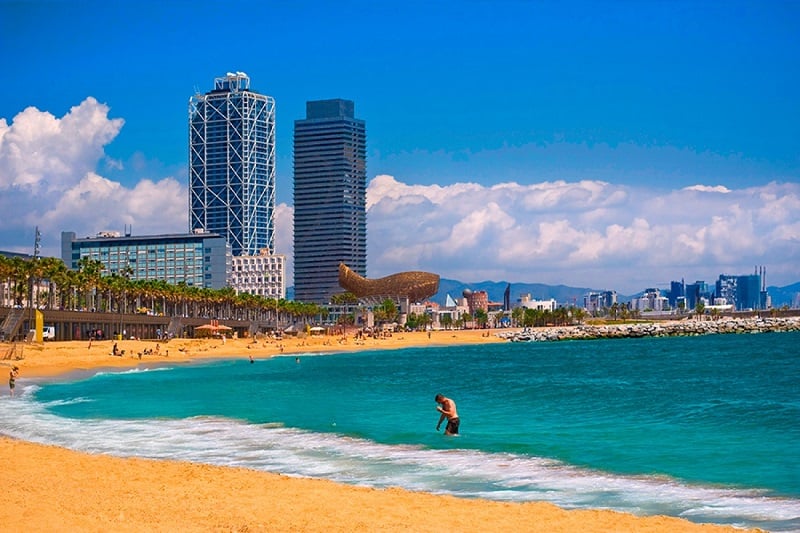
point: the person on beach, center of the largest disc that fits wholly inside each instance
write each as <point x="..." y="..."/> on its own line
<point x="447" y="408"/>
<point x="12" y="379"/>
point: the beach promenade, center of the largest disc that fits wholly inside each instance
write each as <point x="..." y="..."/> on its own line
<point x="53" y="489"/>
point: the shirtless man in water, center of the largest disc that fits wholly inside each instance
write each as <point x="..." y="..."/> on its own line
<point x="448" y="409"/>
<point x="12" y="379"/>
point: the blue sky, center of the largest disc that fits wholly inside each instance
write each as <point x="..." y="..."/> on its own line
<point x="603" y="144"/>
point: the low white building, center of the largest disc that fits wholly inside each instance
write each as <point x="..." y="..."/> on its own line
<point x="259" y="275"/>
<point x="525" y="301"/>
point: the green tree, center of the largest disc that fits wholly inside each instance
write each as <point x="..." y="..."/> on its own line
<point x="481" y="317"/>
<point x="517" y="316"/>
<point x="344" y="298"/>
<point x="699" y="309"/>
<point x="446" y="321"/>
<point x="386" y="312"/>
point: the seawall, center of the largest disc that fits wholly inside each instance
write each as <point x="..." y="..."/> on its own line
<point x="650" y="329"/>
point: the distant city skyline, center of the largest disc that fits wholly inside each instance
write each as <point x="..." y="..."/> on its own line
<point x="596" y="144"/>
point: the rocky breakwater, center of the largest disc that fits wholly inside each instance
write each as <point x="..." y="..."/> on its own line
<point x="652" y="329"/>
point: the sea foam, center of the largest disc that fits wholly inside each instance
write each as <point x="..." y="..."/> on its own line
<point x="464" y="473"/>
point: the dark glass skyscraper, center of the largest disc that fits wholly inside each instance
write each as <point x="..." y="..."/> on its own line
<point x="330" y="180"/>
<point x="232" y="164"/>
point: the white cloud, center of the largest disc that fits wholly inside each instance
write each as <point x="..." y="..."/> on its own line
<point x="707" y="188"/>
<point x="48" y="179"/>
<point x="621" y="163"/>
<point x="584" y="232"/>
<point x="150" y="208"/>
<point x="39" y="150"/>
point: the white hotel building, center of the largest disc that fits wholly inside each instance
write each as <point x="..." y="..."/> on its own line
<point x="260" y="275"/>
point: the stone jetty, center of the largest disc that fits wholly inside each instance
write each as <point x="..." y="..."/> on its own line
<point x="654" y="329"/>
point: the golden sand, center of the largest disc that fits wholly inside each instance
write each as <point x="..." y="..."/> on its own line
<point x="47" y="488"/>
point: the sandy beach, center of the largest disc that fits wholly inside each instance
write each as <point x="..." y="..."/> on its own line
<point x="53" y="489"/>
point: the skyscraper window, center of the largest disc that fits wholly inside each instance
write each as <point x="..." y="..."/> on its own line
<point x="330" y="178"/>
<point x="232" y="164"/>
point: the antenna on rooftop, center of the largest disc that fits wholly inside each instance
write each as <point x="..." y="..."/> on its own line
<point x="37" y="241"/>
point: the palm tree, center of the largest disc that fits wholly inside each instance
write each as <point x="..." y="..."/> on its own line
<point x="578" y="314"/>
<point x="344" y="298"/>
<point x="481" y="317"/>
<point x="386" y="312"/>
<point x="90" y="276"/>
<point x="699" y="309"/>
<point x="54" y="272"/>
<point x="517" y="316"/>
<point x="446" y="321"/>
<point x="20" y="274"/>
<point x="10" y="270"/>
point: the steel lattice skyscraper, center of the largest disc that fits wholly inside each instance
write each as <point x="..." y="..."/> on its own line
<point x="232" y="164"/>
<point x="330" y="179"/>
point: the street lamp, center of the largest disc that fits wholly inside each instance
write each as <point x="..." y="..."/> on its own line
<point x="125" y="272"/>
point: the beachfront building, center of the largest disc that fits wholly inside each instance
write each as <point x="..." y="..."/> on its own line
<point x="330" y="180"/>
<point x="476" y="300"/>
<point x="449" y="315"/>
<point x="650" y="301"/>
<point x="526" y="302"/>
<point x="594" y="302"/>
<point x="743" y="292"/>
<point x="677" y="294"/>
<point x="197" y="259"/>
<point x="259" y="275"/>
<point x="698" y="292"/>
<point x="232" y="164"/>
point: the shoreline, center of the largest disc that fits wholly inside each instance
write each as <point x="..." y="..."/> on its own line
<point x="90" y="492"/>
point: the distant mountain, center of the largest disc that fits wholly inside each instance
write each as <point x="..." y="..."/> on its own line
<point x="788" y="295"/>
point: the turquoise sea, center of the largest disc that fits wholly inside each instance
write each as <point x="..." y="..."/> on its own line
<point x="705" y="428"/>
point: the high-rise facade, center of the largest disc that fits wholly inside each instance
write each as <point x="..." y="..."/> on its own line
<point x="200" y="260"/>
<point x="260" y="275"/>
<point x="743" y="292"/>
<point x="232" y="164"/>
<point x="330" y="180"/>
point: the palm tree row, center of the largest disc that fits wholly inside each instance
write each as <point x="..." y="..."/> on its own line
<point x="49" y="284"/>
<point x="536" y="317"/>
